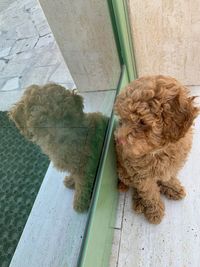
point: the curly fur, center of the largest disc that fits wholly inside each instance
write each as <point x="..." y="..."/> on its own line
<point x="153" y="140"/>
<point x="53" y="118"/>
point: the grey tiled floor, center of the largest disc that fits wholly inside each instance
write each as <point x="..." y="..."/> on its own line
<point x="28" y="51"/>
<point x="29" y="54"/>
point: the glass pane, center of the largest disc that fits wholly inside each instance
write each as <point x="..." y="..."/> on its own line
<point x="50" y="132"/>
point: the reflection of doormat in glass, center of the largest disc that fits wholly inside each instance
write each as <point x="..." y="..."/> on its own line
<point x="22" y="169"/>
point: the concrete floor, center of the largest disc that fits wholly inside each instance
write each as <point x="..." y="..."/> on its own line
<point x="28" y="51"/>
<point x="29" y="55"/>
<point x="4" y="4"/>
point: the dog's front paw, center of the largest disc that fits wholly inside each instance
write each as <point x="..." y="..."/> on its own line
<point x="81" y="201"/>
<point x="81" y="206"/>
<point x="174" y="193"/>
<point x="69" y="182"/>
<point x="138" y="206"/>
<point x="154" y="212"/>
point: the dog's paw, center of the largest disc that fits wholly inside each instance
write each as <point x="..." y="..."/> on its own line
<point x="174" y="193"/>
<point x="69" y="182"/>
<point x="80" y="206"/>
<point x="81" y="202"/>
<point x="138" y="207"/>
<point x="122" y="187"/>
<point x="154" y="213"/>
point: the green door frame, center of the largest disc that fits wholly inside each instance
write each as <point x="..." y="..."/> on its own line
<point x="120" y="10"/>
<point x="97" y="243"/>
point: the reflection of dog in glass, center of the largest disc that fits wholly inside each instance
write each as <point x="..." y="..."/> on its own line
<point x="153" y="140"/>
<point x="53" y="118"/>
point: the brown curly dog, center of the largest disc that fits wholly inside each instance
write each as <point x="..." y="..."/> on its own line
<point x="53" y="118"/>
<point x="153" y="140"/>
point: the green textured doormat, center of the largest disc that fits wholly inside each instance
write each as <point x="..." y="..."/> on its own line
<point x="22" y="169"/>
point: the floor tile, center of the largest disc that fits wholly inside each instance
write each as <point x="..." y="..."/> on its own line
<point x="45" y="40"/>
<point x="11" y="84"/>
<point x="5" y="52"/>
<point x="28" y="51"/>
<point x="61" y="74"/>
<point x="115" y="248"/>
<point x="120" y="211"/>
<point x="37" y="75"/>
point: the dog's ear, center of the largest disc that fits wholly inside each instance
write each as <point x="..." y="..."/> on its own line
<point x="133" y="96"/>
<point x="18" y="112"/>
<point x="178" y="115"/>
<point x="17" y="115"/>
<point x="78" y="102"/>
<point x="71" y="106"/>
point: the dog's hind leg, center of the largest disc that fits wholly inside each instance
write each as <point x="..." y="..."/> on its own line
<point x="172" y="189"/>
<point x="123" y="176"/>
<point x="69" y="181"/>
<point x="83" y="192"/>
<point x="137" y="202"/>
